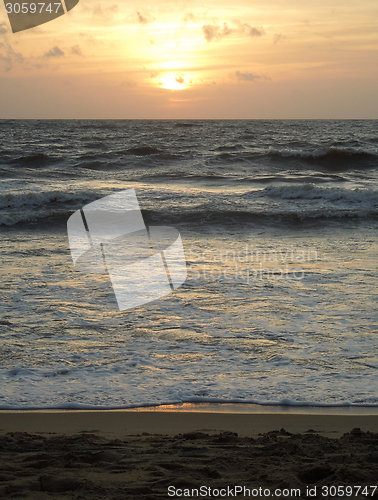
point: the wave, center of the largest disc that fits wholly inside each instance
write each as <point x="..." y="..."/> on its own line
<point x="119" y="164"/>
<point x="32" y="199"/>
<point x="95" y="157"/>
<point x="193" y="176"/>
<point x="323" y="153"/>
<point x="363" y="197"/>
<point x="96" y="124"/>
<point x="92" y="159"/>
<point x="52" y="219"/>
<point x="5" y="152"/>
<point x="312" y="179"/>
<point x="293" y="202"/>
<point x="95" y="145"/>
<point x="332" y="157"/>
<point x="231" y="147"/>
<point x="201" y="220"/>
<point x="44" y="206"/>
<point x="186" y="124"/>
<point x="34" y="159"/>
<point x="56" y="218"/>
<point x="98" y="165"/>
<point x="144" y="151"/>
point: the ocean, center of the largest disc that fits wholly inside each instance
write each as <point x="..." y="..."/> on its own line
<point x="279" y="223"/>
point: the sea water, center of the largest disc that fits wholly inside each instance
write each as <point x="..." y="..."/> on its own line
<point x="279" y="224"/>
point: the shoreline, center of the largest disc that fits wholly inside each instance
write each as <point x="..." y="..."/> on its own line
<point x="215" y="407"/>
<point x="264" y="408"/>
<point x="245" y="420"/>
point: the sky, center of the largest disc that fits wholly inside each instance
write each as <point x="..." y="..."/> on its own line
<point x="188" y="59"/>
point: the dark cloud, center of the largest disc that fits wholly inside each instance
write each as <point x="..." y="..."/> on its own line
<point x="249" y="30"/>
<point x="179" y="79"/>
<point x="249" y="77"/>
<point x="256" y="32"/>
<point x="142" y="19"/>
<point x="145" y="18"/>
<point x="3" y="28"/>
<point x="277" y="37"/>
<point x="246" y="77"/>
<point x="213" y="32"/>
<point x="76" y="50"/>
<point x="54" y="52"/>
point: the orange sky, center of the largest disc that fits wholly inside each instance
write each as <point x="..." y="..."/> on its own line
<point x="189" y="59"/>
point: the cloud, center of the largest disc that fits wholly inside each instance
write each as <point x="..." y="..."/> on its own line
<point x="54" y="52"/>
<point x="89" y="38"/>
<point x="142" y="19"/>
<point x="213" y="32"/>
<point x="127" y="83"/>
<point x="189" y="18"/>
<point x="105" y="14"/>
<point x="249" y="77"/>
<point x="145" y="18"/>
<point x="277" y="37"/>
<point x="249" y="30"/>
<point x="179" y="79"/>
<point x="3" y="29"/>
<point x="76" y="50"/>
<point x="9" y="56"/>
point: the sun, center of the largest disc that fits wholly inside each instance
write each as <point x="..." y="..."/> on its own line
<point x="173" y="82"/>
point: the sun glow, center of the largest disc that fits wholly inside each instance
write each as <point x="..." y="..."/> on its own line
<point x="173" y="82"/>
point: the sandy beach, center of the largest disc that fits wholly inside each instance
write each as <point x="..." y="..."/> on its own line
<point x="165" y="452"/>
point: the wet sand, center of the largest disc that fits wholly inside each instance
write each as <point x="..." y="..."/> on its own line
<point x="140" y="453"/>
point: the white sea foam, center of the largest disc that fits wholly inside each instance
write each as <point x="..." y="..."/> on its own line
<point x="202" y="401"/>
<point x="29" y="199"/>
<point x="308" y="341"/>
<point x="330" y="153"/>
